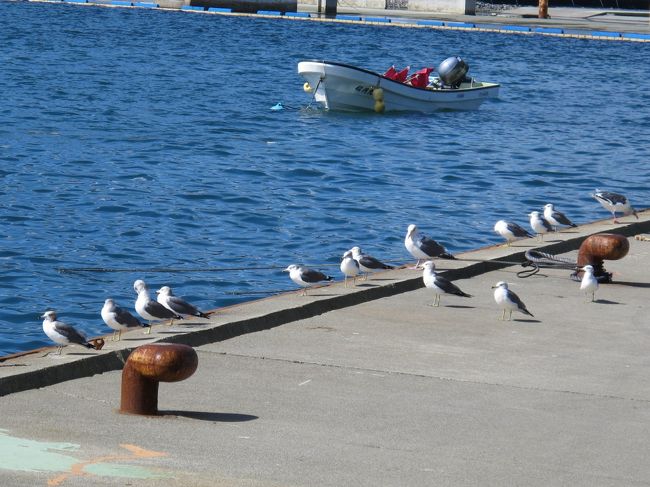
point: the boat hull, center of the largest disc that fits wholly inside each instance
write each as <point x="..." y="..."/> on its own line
<point x="343" y="87"/>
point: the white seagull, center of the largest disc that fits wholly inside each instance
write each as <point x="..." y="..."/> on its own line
<point x="589" y="283"/>
<point x="614" y="203"/>
<point x="510" y="231"/>
<point x="439" y="284"/>
<point x="118" y="319"/>
<point x="149" y="309"/>
<point x="305" y="277"/>
<point x="422" y="247"/>
<point x="539" y="224"/>
<point x="63" y="334"/>
<point x="368" y="263"/>
<point x="177" y="305"/>
<point x="508" y="300"/>
<point x="349" y="268"/>
<point x="555" y="217"/>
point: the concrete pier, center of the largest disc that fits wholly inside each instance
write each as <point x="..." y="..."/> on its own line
<point x="366" y="386"/>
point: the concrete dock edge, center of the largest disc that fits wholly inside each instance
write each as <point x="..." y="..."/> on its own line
<point x="114" y="360"/>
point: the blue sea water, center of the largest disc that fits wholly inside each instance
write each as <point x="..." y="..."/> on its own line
<point x="139" y="140"/>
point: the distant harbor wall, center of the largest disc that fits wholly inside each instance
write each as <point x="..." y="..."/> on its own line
<point x="249" y="6"/>
<point x="461" y="7"/>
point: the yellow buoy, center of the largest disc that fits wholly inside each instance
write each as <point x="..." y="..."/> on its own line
<point x="307" y="87"/>
<point x="379" y="106"/>
<point x="378" y="94"/>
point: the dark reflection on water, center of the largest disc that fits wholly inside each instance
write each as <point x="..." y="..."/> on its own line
<point x="133" y="139"/>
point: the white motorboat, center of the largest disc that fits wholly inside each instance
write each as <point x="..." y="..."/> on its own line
<point x="338" y="86"/>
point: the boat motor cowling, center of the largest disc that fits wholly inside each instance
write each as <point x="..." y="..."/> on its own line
<point x="452" y="71"/>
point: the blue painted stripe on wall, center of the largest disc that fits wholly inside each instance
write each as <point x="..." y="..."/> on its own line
<point x="437" y="23"/>
<point x="515" y="28"/>
<point x="549" y="30"/>
<point x="460" y="24"/>
<point x="597" y="33"/>
<point x="635" y="35"/>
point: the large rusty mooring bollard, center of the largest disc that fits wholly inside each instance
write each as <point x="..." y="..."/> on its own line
<point x="599" y="247"/>
<point x="146" y="367"/>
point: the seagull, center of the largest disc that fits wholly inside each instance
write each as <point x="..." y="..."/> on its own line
<point x="63" y="334"/>
<point x="508" y="300"/>
<point x="439" y="284"/>
<point x="539" y="224"/>
<point x="614" y="203"/>
<point x="368" y="263"/>
<point x="349" y="268"/>
<point x="177" y="305"/>
<point x="589" y="283"/>
<point x="118" y="319"/>
<point x="305" y="277"/>
<point x="149" y="309"/>
<point x="556" y="218"/>
<point x="510" y="231"/>
<point x="422" y="247"/>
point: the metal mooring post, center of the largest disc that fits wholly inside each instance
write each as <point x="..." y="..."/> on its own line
<point x="149" y="365"/>
<point x="599" y="247"/>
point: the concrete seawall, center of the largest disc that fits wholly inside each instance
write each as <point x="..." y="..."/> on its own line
<point x="603" y="24"/>
<point x="31" y="370"/>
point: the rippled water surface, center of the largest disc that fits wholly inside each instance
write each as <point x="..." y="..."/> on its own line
<point x="136" y="140"/>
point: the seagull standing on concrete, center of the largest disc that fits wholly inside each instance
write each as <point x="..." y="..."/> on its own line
<point x="63" y="334"/>
<point x="539" y="224"/>
<point x="422" y="247"/>
<point x="508" y="300"/>
<point x="439" y="284"/>
<point x="349" y="268"/>
<point x="589" y="283"/>
<point x="149" y="309"/>
<point x="556" y="218"/>
<point x="118" y="319"/>
<point x="510" y="231"/>
<point x="368" y="263"/>
<point x="305" y="277"/>
<point x="177" y="305"/>
<point x="614" y="203"/>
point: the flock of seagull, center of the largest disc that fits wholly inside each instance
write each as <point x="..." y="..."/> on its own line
<point x="165" y="307"/>
<point x="354" y="263"/>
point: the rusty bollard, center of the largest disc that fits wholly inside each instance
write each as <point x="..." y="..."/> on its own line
<point x="146" y="367"/>
<point x="599" y="247"/>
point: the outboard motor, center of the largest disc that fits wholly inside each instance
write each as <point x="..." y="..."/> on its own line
<point x="452" y="71"/>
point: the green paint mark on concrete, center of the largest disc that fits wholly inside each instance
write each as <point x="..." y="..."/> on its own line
<point x="20" y="454"/>
<point x="35" y="456"/>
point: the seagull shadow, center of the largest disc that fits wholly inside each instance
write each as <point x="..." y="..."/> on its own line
<point x="526" y="320"/>
<point x="211" y="416"/>
<point x="605" y="301"/>
<point x="459" y="306"/>
<point x="367" y="284"/>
